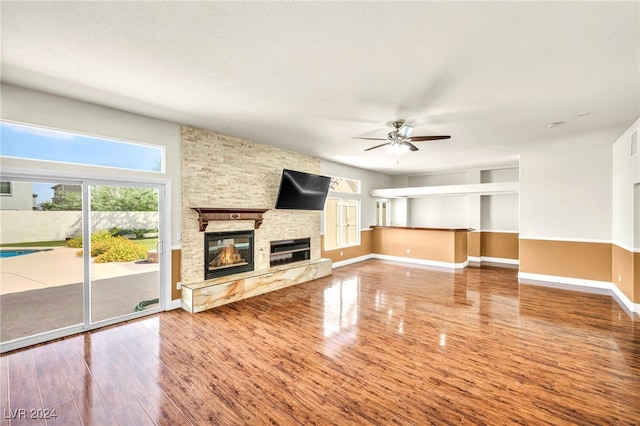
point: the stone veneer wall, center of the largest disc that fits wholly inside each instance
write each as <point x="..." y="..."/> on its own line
<point x="227" y="172"/>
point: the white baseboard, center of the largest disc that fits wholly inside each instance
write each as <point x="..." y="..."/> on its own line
<point x="174" y="304"/>
<point x="540" y="279"/>
<point x="500" y="260"/>
<point x="504" y="261"/>
<point x="564" y="280"/>
<point x="352" y="260"/>
<point x="622" y="298"/>
<point x="448" y="265"/>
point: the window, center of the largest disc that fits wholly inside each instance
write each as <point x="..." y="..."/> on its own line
<point x="38" y="143"/>
<point x="344" y="185"/>
<point x="383" y="213"/>
<point x="5" y="188"/>
<point x="342" y="214"/>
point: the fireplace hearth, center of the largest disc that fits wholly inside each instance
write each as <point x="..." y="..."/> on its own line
<point x="227" y="253"/>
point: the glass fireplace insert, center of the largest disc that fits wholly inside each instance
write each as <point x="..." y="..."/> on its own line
<point x="227" y="253"/>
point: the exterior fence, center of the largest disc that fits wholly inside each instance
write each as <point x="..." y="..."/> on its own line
<point x="30" y="226"/>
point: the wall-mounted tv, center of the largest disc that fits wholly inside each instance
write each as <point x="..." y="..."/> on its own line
<point x="302" y="191"/>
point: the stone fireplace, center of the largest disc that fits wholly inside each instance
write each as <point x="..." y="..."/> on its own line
<point x="234" y="197"/>
<point x="227" y="253"/>
<point x="221" y="193"/>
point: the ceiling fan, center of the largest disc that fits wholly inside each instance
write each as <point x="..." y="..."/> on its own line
<point x="400" y="139"/>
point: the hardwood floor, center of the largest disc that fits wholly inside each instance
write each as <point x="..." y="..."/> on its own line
<point x="374" y="343"/>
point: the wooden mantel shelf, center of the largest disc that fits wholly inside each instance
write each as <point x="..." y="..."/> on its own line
<point x="205" y="214"/>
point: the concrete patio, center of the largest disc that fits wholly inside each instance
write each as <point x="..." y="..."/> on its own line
<point x="55" y="267"/>
<point x="42" y="291"/>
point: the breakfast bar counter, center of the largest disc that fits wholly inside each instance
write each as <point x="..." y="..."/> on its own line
<point x="445" y="247"/>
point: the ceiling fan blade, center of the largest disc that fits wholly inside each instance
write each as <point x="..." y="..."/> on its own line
<point x="405" y="131"/>
<point x="411" y="146"/>
<point x="428" y="138"/>
<point x="377" y="146"/>
<point x="373" y="139"/>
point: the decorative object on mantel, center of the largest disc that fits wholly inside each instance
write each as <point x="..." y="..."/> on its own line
<point x="205" y="214"/>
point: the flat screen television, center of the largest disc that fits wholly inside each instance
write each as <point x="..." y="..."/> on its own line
<point x="302" y="191"/>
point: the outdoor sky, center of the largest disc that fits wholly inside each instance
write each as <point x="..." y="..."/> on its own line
<point x="38" y="143"/>
<point x="51" y="145"/>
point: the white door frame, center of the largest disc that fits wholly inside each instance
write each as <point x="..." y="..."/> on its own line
<point x="164" y="248"/>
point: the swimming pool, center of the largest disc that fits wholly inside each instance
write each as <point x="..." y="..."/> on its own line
<point x="18" y="252"/>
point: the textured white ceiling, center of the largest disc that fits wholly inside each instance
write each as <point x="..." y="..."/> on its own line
<point x="311" y="76"/>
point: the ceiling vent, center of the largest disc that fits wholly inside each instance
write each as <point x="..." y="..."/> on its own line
<point x="634" y="143"/>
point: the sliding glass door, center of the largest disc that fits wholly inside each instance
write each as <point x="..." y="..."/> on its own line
<point x="125" y="266"/>
<point x="76" y="255"/>
<point x="41" y="277"/>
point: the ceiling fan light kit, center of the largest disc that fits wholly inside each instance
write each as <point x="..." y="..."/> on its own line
<point x="397" y="148"/>
<point x="400" y="141"/>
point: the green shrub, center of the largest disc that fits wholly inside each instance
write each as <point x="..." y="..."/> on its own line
<point x="96" y="239"/>
<point x="102" y="246"/>
<point x="105" y="248"/>
<point x="122" y="250"/>
<point x="138" y="232"/>
<point x="75" y="242"/>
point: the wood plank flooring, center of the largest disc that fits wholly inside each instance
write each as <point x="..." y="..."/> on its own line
<point x="377" y="343"/>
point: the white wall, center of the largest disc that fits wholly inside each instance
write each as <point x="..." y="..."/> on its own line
<point x="436" y="211"/>
<point x="636" y="217"/>
<point x="399" y="206"/>
<point x="37" y="108"/>
<point x="453" y="178"/>
<point x="21" y="197"/>
<point x="567" y="194"/>
<point x="626" y="174"/>
<point x="439" y="212"/>
<point x="32" y="226"/>
<point x="399" y="212"/>
<point x="500" y="175"/>
<point x="500" y="213"/>
<point x="487" y="213"/>
<point x="369" y="180"/>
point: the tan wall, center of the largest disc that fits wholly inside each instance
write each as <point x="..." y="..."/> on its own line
<point x="175" y="274"/>
<point x="348" y="252"/>
<point x="622" y="270"/>
<point x="636" y="277"/>
<point x="473" y="244"/>
<point x="422" y="244"/>
<point x="582" y="260"/>
<point x="461" y="247"/>
<point x="503" y="245"/>
<point x="223" y="171"/>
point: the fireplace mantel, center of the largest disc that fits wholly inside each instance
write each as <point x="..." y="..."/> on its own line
<point x="205" y="214"/>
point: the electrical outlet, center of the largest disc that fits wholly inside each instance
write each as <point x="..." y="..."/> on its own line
<point x="408" y="251"/>
<point x="179" y="285"/>
<point x="341" y="253"/>
<point x="619" y="278"/>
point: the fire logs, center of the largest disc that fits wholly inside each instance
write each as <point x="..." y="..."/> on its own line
<point x="228" y="255"/>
